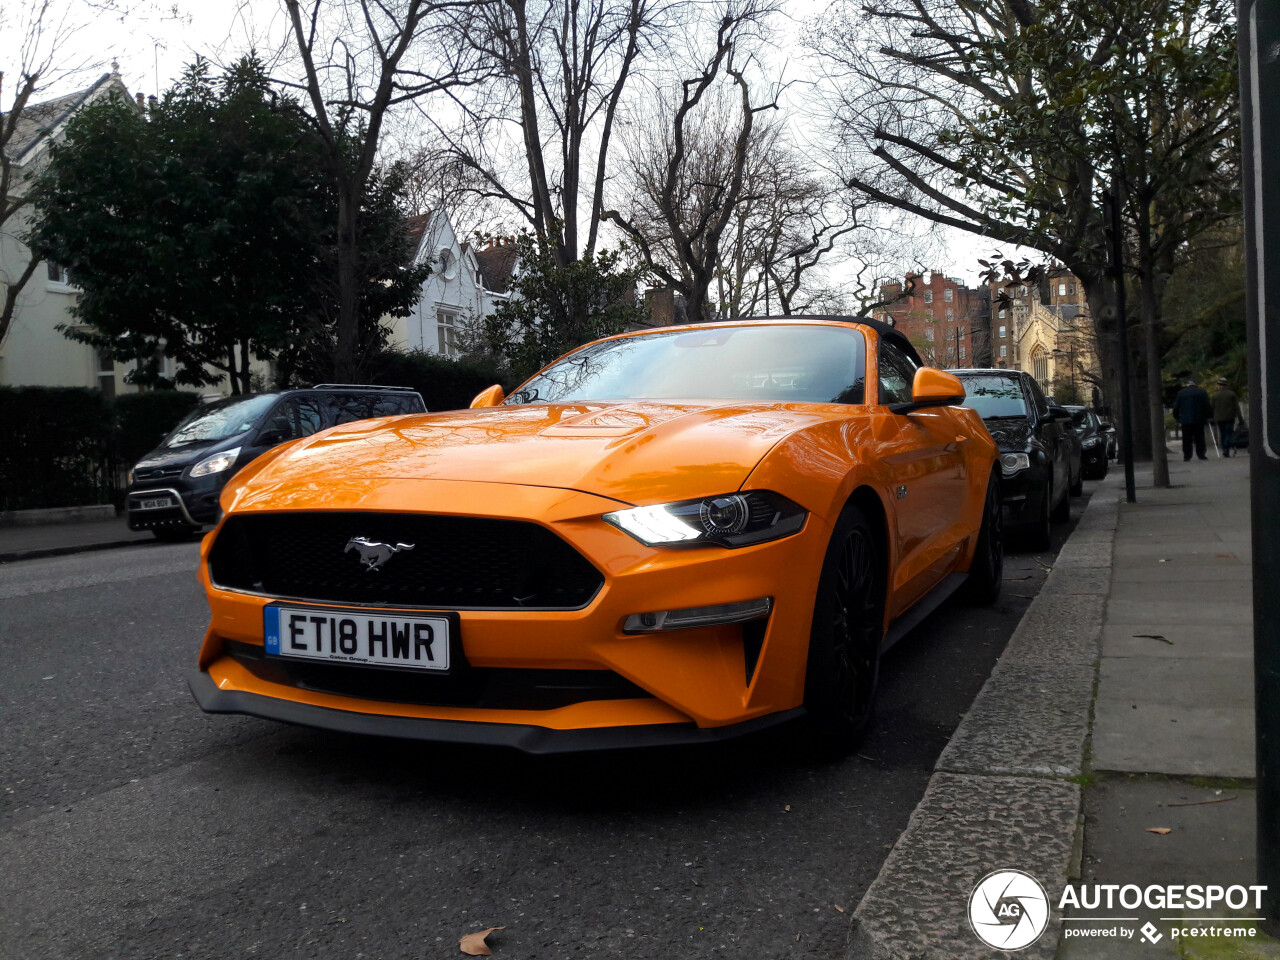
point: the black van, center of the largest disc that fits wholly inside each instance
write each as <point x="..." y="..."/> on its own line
<point x="173" y="490"/>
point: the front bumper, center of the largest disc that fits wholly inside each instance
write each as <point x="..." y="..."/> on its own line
<point x="1022" y="496"/>
<point x="687" y="683"/>
<point x="196" y="502"/>
<point x="1093" y="462"/>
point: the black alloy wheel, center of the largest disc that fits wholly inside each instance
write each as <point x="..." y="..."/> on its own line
<point x="986" y="573"/>
<point x="843" y="670"/>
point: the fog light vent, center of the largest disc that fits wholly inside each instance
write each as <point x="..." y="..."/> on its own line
<point x="691" y="617"/>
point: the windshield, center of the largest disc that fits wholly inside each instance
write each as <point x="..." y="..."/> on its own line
<point x="789" y="364"/>
<point x="220" y="420"/>
<point x="1081" y="419"/>
<point x="994" y="397"/>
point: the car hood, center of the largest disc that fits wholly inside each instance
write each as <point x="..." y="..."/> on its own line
<point x="636" y="451"/>
<point x="1012" y="436"/>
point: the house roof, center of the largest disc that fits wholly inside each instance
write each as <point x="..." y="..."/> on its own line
<point x="38" y="120"/>
<point x="417" y="226"/>
<point x="497" y="263"/>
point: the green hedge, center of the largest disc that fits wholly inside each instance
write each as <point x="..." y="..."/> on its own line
<point x="445" y="384"/>
<point x="143" y="418"/>
<point x="65" y="446"/>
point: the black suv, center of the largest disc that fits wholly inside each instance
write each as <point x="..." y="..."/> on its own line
<point x="1036" y="448"/>
<point x="173" y="490"/>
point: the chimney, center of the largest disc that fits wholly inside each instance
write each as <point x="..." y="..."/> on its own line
<point x="141" y="102"/>
<point x="151" y="102"/>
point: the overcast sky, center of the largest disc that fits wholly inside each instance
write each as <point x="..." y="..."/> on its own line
<point x="155" y="40"/>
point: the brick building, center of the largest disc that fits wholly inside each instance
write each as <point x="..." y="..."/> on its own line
<point x="940" y="315"/>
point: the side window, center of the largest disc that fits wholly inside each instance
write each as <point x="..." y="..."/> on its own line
<point x="347" y="407"/>
<point x="896" y="373"/>
<point x="294" y="417"/>
<point x="1037" y="397"/>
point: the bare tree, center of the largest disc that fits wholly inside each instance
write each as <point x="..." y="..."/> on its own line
<point x="360" y="60"/>
<point x="690" y="161"/>
<point x="560" y="71"/>
<point x="44" y="30"/>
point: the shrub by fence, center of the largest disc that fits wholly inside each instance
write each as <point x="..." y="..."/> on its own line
<point x="64" y="446"/>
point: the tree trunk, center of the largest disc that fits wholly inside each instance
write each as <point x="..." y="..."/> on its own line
<point x="1151" y="345"/>
<point x="345" y="366"/>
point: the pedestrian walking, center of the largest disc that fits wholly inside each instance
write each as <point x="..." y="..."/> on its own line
<point x="1192" y="409"/>
<point x="1226" y="411"/>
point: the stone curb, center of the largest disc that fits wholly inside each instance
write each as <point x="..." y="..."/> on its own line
<point x="1000" y="794"/>
<point x="40" y="553"/>
<point x="47" y="515"/>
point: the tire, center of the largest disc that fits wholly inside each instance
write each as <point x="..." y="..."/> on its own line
<point x="986" y="573"/>
<point x="1062" y="511"/>
<point x="1036" y="535"/>
<point x="175" y="534"/>
<point x="1077" y="487"/>
<point x="843" y="667"/>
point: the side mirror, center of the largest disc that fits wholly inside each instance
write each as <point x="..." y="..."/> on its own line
<point x="1059" y="413"/>
<point x="490" y="397"/>
<point x="1108" y="428"/>
<point x="932" y="388"/>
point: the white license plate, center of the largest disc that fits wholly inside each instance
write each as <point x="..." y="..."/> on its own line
<point x="356" y="636"/>
<point x="155" y="503"/>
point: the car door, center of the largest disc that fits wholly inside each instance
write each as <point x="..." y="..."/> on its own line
<point x="1054" y="435"/>
<point x="922" y="454"/>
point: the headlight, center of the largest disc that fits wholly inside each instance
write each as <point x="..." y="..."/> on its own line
<point x="732" y="520"/>
<point x="1091" y="442"/>
<point x="128" y="479"/>
<point x="216" y="464"/>
<point x="1011" y="463"/>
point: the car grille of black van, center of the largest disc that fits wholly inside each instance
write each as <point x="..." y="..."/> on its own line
<point x="152" y="474"/>
<point x="453" y="563"/>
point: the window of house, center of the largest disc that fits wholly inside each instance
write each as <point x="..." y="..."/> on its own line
<point x="1071" y="289"/>
<point x="928" y="296"/>
<point x="58" y="273"/>
<point x="1022" y="290"/>
<point x="1002" y="314"/>
<point x="106" y="370"/>
<point x="447" y="333"/>
<point x="928" y="334"/>
<point x="951" y="314"/>
<point x="1004" y="351"/>
<point x="951" y="352"/>
<point x="1062" y="289"/>
<point x="1004" y="331"/>
<point x="962" y="351"/>
<point x="948" y="295"/>
<point x="960" y="331"/>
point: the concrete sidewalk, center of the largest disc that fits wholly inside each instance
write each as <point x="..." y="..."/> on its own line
<point x="1172" y="743"/>
<point x="1123" y="704"/>
<point x="54" y="539"/>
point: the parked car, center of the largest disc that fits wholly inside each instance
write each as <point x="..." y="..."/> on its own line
<point x="173" y="491"/>
<point x="1035" y="448"/>
<point x="669" y="536"/>
<point x="1093" y="442"/>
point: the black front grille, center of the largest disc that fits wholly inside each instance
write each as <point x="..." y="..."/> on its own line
<point x="454" y="563"/>
<point x="157" y="473"/>
<point x="493" y="688"/>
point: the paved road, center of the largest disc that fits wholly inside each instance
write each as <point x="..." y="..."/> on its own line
<point x="132" y="825"/>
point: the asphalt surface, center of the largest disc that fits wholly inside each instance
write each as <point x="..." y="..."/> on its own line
<point x="133" y="825"/>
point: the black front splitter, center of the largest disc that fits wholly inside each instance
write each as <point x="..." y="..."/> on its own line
<point x="525" y="737"/>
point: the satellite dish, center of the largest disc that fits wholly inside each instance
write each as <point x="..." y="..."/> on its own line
<point x="448" y="264"/>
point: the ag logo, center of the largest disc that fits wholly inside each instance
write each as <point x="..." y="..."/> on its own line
<point x="1008" y="909"/>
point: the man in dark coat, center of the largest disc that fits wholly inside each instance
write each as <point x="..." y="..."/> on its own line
<point x="1192" y="409"/>
<point x="1226" y="411"/>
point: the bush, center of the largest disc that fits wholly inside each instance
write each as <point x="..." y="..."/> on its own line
<point x="143" y="418"/>
<point x="55" y="447"/>
<point x="445" y="384"/>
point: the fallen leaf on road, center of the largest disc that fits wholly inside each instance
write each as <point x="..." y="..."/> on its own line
<point x="1154" y="636"/>
<point x="1160" y="830"/>
<point x="473" y="944"/>
<point x="787" y="808"/>
<point x="1226" y="556"/>
<point x="838" y="907"/>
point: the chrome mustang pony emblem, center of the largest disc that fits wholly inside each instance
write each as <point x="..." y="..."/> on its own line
<point x="374" y="554"/>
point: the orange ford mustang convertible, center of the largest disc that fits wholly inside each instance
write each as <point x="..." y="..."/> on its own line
<point x="671" y="536"/>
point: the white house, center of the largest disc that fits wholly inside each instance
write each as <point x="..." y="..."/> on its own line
<point x="35" y="353"/>
<point x="466" y="283"/>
